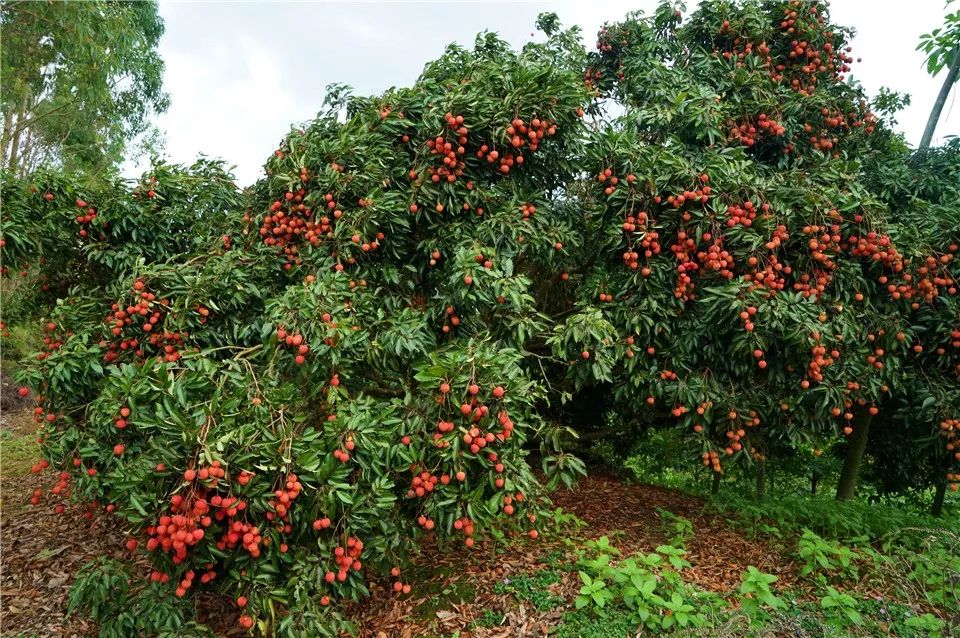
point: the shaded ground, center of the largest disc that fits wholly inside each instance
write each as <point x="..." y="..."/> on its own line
<point x="40" y="549"/>
<point x="10" y="399"/>
<point x="457" y="597"/>
<point x="719" y="554"/>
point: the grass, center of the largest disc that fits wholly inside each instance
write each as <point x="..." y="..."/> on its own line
<point x="487" y="619"/>
<point x="582" y="624"/>
<point x="803" y="617"/>
<point x="440" y="591"/>
<point x="21" y="341"/>
<point x="901" y="606"/>
<point x="18" y="453"/>
<point x="532" y="588"/>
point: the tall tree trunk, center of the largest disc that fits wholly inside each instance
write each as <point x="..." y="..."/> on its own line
<point x="814" y="480"/>
<point x="15" y="142"/>
<point x="5" y="139"/>
<point x="952" y="73"/>
<point x="855" y="450"/>
<point x="761" y="480"/>
<point x="26" y="155"/>
<point x="938" y="497"/>
<point x="715" y="487"/>
<point x="941" y="488"/>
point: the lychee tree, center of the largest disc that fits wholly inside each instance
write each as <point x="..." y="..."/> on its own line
<point x="61" y="231"/>
<point x="281" y="402"/>
<point x="748" y="280"/>
<point x="922" y="190"/>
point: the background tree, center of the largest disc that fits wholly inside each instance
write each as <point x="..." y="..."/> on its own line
<point x="921" y="190"/>
<point x="942" y="47"/>
<point x="79" y="81"/>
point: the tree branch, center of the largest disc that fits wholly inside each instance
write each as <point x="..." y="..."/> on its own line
<point x="386" y="393"/>
<point x="948" y="83"/>
<point x="588" y="437"/>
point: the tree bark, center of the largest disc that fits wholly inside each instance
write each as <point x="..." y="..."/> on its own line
<point x="5" y="140"/>
<point x="814" y="480"/>
<point x="26" y="154"/>
<point x="33" y="160"/>
<point x="941" y="488"/>
<point x="952" y="73"/>
<point x="600" y="434"/>
<point x="386" y="393"/>
<point x="938" y="497"/>
<point x="761" y="481"/>
<point x="15" y="142"/>
<point x="856" y="447"/>
<point x="715" y="487"/>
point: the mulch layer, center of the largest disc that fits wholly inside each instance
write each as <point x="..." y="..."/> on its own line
<point x="718" y="553"/>
<point x="627" y="514"/>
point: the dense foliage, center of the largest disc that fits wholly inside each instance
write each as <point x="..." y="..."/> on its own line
<point x="282" y="392"/>
<point x="799" y="291"/>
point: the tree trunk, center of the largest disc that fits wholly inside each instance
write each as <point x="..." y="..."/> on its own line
<point x="15" y="142"/>
<point x="26" y="155"/>
<point x="30" y="166"/>
<point x="598" y="435"/>
<point x="856" y="447"/>
<point x="761" y="480"/>
<point x="814" y="480"/>
<point x="941" y="488"/>
<point x="938" y="497"/>
<point x="5" y="139"/>
<point x="715" y="487"/>
<point x="952" y="73"/>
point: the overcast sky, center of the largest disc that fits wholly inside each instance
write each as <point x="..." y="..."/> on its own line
<point x="240" y="73"/>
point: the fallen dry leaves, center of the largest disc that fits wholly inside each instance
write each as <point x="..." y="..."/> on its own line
<point x="40" y="551"/>
<point x="719" y="554"/>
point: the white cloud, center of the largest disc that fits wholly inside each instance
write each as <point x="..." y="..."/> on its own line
<point x="236" y="115"/>
<point x="358" y="29"/>
<point x="886" y="40"/>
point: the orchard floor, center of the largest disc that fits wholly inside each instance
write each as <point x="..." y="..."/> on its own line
<point x="455" y="600"/>
<point x="42" y="551"/>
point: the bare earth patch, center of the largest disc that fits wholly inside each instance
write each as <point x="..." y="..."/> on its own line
<point x="718" y="553"/>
